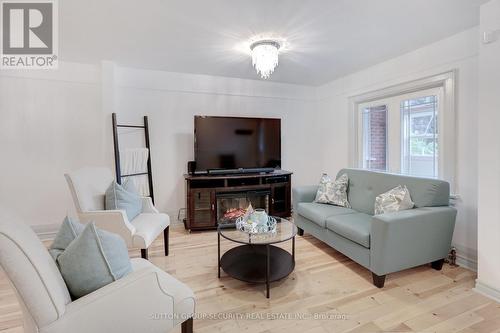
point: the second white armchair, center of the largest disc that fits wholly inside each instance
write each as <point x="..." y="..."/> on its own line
<point x="88" y="187"/>
<point x="146" y="300"/>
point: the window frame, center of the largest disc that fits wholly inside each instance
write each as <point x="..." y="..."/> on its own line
<point x="447" y="121"/>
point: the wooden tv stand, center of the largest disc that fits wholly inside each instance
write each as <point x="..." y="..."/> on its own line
<point x="202" y="192"/>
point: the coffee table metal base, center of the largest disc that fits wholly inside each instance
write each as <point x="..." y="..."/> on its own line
<point x="258" y="263"/>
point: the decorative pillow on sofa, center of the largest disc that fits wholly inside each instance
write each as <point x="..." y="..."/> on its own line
<point x="321" y="195"/>
<point x="92" y="260"/>
<point x="124" y="197"/>
<point x="393" y="200"/>
<point x="69" y="230"/>
<point x="333" y="192"/>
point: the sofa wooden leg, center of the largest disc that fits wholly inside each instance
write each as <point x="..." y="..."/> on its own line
<point x="165" y="239"/>
<point x="438" y="264"/>
<point x="378" y="281"/>
<point x="187" y="326"/>
<point x="300" y="231"/>
<point x="144" y="254"/>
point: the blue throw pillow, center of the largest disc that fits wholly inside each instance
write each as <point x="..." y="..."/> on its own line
<point x="94" y="259"/>
<point x="69" y="230"/>
<point x="129" y="186"/>
<point x="124" y="197"/>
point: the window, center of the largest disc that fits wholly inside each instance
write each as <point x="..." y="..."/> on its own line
<point x="420" y="136"/>
<point x="418" y="131"/>
<point x="400" y="133"/>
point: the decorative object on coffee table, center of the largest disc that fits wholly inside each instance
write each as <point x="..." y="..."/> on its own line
<point x="256" y="222"/>
<point x="257" y="260"/>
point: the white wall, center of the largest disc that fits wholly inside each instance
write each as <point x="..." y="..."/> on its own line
<point x="488" y="281"/>
<point x="50" y="123"/>
<point x="172" y="99"/>
<point x="459" y="52"/>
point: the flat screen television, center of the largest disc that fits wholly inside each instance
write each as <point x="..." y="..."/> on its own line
<point x="236" y="144"/>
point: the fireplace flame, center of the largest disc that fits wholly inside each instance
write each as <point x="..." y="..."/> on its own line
<point x="234" y="213"/>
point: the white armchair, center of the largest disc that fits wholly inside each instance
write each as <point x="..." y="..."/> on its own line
<point x="146" y="300"/>
<point x="88" y="187"/>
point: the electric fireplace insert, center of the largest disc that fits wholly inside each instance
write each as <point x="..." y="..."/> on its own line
<point x="231" y="205"/>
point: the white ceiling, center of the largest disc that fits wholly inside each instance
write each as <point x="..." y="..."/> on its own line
<point x="326" y="38"/>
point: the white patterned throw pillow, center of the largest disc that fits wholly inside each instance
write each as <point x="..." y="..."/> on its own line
<point x="321" y="194"/>
<point x="333" y="192"/>
<point x="393" y="200"/>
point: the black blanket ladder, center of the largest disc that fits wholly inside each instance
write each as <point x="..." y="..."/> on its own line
<point x="119" y="175"/>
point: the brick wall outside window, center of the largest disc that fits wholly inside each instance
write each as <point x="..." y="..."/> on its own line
<point x="377" y="137"/>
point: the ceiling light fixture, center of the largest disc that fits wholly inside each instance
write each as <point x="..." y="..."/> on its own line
<point x="265" y="56"/>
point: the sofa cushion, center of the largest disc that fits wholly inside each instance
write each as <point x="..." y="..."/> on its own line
<point x="318" y="213"/>
<point x="355" y="227"/>
<point x="365" y="186"/>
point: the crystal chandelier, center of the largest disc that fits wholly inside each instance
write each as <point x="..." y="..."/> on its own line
<point x="265" y="56"/>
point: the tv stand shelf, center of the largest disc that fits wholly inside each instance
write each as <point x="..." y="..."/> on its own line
<point x="202" y="192"/>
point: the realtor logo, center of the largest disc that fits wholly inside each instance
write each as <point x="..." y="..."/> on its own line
<point x="29" y="34"/>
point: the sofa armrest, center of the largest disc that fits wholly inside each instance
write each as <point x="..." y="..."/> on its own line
<point x="410" y="238"/>
<point x="115" y="221"/>
<point x="304" y="194"/>
<point x="147" y="206"/>
<point x="139" y="302"/>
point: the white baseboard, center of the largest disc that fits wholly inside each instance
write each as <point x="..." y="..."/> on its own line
<point x="466" y="262"/>
<point x="487" y="291"/>
<point x="46" y="231"/>
<point x="466" y="258"/>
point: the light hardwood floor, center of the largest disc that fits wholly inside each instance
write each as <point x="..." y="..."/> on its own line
<point x="324" y="284"/>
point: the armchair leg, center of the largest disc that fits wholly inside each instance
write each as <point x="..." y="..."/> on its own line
<point x="438" y="264"/>
<point x="144" y="254"/>
<point x="165" y="239"/>
<point x="300" y="231"/>
<point x="378" y="281"/>
<point x="187" y="326"/>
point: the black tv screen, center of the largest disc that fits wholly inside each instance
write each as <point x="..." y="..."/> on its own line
<point x="232" y="143"/>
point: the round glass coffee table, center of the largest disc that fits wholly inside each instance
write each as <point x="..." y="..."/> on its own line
<point x="257" y="260"/>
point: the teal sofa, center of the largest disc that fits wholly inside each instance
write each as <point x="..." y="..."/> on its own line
<point x="383" y="243"/>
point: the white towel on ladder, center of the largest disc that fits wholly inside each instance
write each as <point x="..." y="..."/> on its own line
<point x="136" y="161"/>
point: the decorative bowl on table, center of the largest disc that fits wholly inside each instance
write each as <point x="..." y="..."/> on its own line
<point x="256" y="222"/>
